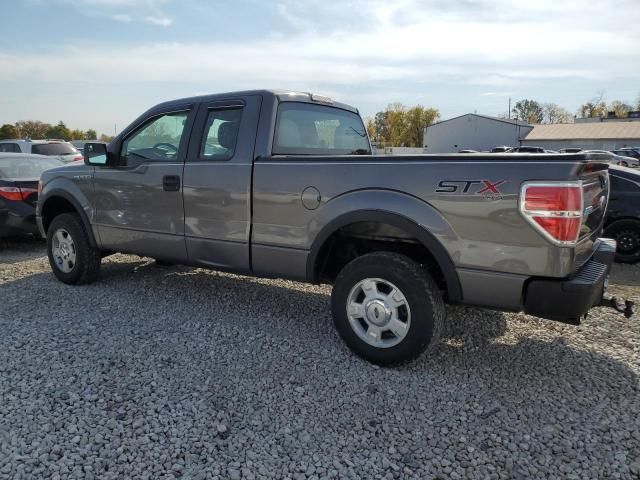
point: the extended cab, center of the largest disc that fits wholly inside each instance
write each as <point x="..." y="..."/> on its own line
<point x="284" y="184"/>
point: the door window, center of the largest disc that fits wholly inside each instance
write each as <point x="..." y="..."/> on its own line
<point x="221" y="134"/>
<point x="156" y="141"/>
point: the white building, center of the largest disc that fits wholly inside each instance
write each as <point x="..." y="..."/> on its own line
<point x="473" y="132"/>
<point x="589" y="136"/>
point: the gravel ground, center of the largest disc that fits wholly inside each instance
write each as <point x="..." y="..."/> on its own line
<point x="173" y="372"/>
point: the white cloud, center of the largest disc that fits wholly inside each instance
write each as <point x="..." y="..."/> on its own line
<point x="161" y="21"/>
<point x="122" y="17"/>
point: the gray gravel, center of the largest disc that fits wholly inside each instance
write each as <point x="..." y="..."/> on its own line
<point x="172" y="372"/>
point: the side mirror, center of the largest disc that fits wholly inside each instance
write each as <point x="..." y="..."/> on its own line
<point x="95" y="154"/>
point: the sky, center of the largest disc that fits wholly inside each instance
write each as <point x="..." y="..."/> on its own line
<point x="100" y="63"/>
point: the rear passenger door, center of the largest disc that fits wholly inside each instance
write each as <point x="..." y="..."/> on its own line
<point x="217" y="183"/>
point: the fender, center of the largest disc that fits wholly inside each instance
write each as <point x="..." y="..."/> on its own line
<point x="58" y="192"/>
<point x="435" y="247"/>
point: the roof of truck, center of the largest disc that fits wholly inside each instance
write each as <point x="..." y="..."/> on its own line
<point x="281" y="95"/>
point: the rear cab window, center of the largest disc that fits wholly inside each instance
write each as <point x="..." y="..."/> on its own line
<point x="53" y="149"/>
<point x="9" y="147"/>
<point x="311" y="129"/>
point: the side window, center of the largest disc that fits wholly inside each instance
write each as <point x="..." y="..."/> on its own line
<point x="221" y="134"/>
<point x="157" y="141"/>
<point x="308" y="129"/>
<point x="9" y="147"/>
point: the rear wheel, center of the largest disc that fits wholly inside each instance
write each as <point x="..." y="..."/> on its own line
<point x="626" y="233"/>
<point x="386" y="308"/>
<point x="72" y="258"/>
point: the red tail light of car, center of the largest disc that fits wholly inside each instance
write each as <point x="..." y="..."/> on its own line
<point x="16" y="194"/>
<point x="554" y="209"/>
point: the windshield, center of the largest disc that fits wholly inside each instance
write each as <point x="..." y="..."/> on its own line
<point x="26" y="167"/>
<point x="53" y="149"/>
<point x="309" y="129"/>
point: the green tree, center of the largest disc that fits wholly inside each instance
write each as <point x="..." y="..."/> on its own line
<point x="90" y="135"/>
<point x="528" y="111"/>
<point x="554" y="113"/>
<point x="417" y="118"/>
<point x="77" y="134"/>
<point x="59" y="131"/>
<point x="8" y="131"/>
<point x="33" y="129"/>
<point x="105" y="138"/>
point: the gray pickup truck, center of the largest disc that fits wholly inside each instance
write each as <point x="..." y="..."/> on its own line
<point x="283" y="184"/>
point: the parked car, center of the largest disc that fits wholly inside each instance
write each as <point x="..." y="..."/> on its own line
<point x="531" y="149"/>
<point x="633" y="152"/>
<point x="19" y="175"/>
<point x="61" y="149"/>
<point x="466" y="150"/>
<point x="615" y="159"/>
<point x="570" y="150"/>
<point x="622" y="221"/>
<point x="501" y="149"/>
<point x="283" y="184"/>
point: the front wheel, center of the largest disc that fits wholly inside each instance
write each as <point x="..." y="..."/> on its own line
<point x="72" y="258"/>
<point x="386" y="308"/>
<point x="626" y="233"/>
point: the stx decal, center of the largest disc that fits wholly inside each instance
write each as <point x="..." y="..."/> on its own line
<point x="473" y="187"/>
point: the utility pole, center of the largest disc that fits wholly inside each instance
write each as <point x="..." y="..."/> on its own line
<point x="509" y="113"/>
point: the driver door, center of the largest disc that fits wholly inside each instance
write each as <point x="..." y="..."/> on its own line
<point x="138" y="201"/>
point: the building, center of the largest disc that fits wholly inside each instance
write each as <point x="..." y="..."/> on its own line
<point x="473" y="132"/>
<point x="589" y="136"/>
<point x="633" y="116"/>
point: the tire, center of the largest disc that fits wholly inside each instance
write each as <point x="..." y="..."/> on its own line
<point x="627" y="234"/>
<point x="360" y="317"/>
<point x="623" y="164"/>
<point x="72" y="258"/>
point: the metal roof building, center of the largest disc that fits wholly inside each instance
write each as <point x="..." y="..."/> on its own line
<point x="593" y="136"/>
<point x="473" y="132"/>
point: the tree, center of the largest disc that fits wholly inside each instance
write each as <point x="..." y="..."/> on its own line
<point x="528" y="111"/>
<point x="400" y="126"/>
<point x="33" y="129"/>
<point x="417" y="118"/>
<point x="77" y="134"/>
<point x="59" y="131"/>
<point x="106" y="138"/>
<point x="8" y="131"/>
<point x="554" y="113"/>
<point x="593" y="109"/>
<point x="620" y="109"/>
<point x="90" y="135"/>
<point x="371" y="129"/>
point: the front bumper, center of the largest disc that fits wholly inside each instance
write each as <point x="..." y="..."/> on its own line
<point x="568" y="300"/>
<point x="14" y="225"/>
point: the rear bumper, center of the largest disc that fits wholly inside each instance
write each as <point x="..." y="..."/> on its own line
<point x="568" y="300"/>
<point x="11" y="224"/>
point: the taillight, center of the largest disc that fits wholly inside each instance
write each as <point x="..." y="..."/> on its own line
<point x="16" y="194"/>
<point x="77" y="158"/>
<point x="554" y="209"/>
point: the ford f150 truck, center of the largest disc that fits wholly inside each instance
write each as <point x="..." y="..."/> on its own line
<point x="283" y="184"/>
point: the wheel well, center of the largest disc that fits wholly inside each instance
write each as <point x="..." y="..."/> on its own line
<point x="617" y="219"/>
<point x="53" y="207"/>
<point x="359" y="238"/>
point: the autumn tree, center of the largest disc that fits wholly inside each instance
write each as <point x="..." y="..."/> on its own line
<point x="105" y="138"/>
<point x="90" y="135"/>
<point x="620" y="109"/>
<point x="33" y="129"/>
<point x="398" y="125"/>
<point x="528" y="111"/>
<point x="8" y="131"/>
<point x="554" y="113"/>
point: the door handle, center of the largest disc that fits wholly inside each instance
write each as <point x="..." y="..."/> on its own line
<point x="171" y="183"/>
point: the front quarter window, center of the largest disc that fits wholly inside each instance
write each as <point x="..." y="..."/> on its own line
<point x="309" y="129"/>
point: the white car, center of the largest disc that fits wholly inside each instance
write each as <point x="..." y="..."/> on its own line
<point x="60" y="149"/>
<point x="617" y="159"/>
